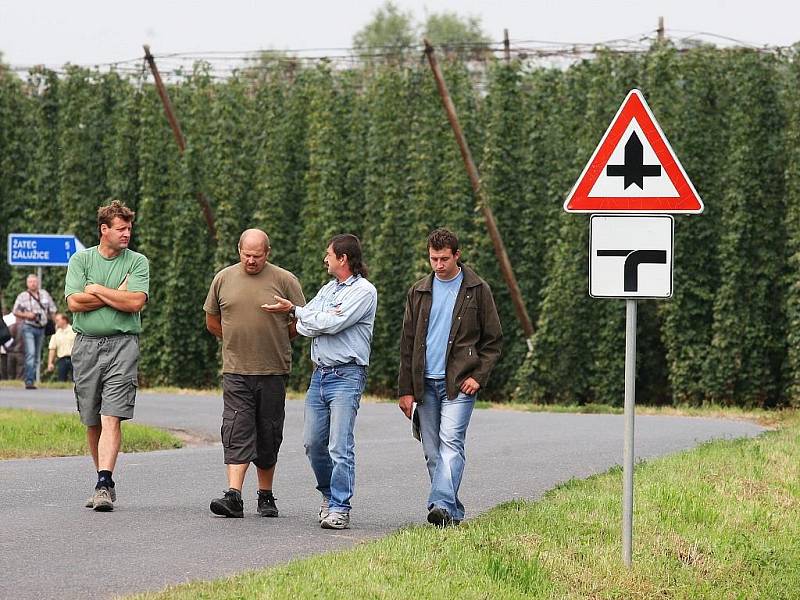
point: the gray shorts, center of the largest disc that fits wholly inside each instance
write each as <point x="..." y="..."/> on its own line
<point x="252" y="418"/>
<point x="105" y="371"/>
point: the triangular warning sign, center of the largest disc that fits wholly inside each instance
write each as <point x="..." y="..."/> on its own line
<point x="634" y="169"/>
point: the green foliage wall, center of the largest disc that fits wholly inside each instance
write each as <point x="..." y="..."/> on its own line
<point x="307" y="152"/>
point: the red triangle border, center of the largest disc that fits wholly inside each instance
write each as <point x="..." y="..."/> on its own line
<point x="687" y="201"/>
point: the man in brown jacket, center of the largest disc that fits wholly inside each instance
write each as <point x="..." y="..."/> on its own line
<point x="451" y="340"/>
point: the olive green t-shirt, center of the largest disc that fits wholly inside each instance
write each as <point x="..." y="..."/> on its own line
<point x="89" y="266"/>
<point x="253" y="342"/>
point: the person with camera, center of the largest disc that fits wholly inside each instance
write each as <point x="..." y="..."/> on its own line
<point x="34" y="308"/>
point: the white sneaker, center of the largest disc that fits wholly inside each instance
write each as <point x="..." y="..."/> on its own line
<point x="336" y="520"/>
<point x="324" y="509"/>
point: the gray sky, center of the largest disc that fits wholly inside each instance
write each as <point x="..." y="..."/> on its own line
<point x="89" y="32"/>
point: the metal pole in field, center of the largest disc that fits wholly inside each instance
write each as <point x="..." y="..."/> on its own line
<point x="630" y="402"/>
<point x="41" y="285"/>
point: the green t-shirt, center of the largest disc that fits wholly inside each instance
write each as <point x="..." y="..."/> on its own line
<point x="89" y="266"/>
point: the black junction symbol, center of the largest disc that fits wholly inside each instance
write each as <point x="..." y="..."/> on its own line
<point x="634" y="170"/>
<point x="633" y="259"/>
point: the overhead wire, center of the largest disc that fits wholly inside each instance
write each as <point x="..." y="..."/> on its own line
<point x="227" y="63"/>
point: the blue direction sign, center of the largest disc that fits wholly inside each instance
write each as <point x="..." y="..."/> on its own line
<point x="41" y="249"/>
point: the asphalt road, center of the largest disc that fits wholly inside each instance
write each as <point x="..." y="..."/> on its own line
<point x="161" y="531"/>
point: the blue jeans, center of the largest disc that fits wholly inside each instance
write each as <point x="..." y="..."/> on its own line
<point x="33" y="338"/>
<point x="64" y="368"/>
<point x="332" y="402"/>
<point x="443" y="425"/>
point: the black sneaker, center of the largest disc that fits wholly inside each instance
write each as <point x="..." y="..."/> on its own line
<point x="266" y="504"/>
<point x="230" y="505"/>
<point x="439" y="517"/>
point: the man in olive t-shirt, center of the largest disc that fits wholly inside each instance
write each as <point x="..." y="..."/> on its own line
<point x="256" y="358"/>
<point x="106" y="287"/>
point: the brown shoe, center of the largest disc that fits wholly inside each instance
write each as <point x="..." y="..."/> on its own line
<point x="90" y="499"/>
<point x="101" y="501"/>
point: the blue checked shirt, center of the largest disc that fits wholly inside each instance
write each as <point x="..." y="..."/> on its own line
<point x="339" y="321"/>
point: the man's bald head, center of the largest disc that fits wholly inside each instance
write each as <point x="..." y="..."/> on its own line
<point x="253" y="250"/>
<point x="254" y="236"/>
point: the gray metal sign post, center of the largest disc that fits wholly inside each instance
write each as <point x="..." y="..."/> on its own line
<point x="630" y="405"/>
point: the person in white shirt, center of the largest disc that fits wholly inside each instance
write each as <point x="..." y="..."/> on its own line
<point x="60" y="356"/>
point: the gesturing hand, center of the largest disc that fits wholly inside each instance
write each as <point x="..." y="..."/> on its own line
<point x="281" y="305"/>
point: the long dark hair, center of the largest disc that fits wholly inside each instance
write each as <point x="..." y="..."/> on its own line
<point x="347" y="243"/>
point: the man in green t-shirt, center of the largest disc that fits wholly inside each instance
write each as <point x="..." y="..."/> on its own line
<point x="106" y="287"/>
<point x="256" y="360"/>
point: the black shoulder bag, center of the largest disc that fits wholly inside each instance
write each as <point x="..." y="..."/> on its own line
<point x="50" y="326"/>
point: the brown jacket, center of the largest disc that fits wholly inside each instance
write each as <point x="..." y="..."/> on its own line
<point x="474" y="342"/>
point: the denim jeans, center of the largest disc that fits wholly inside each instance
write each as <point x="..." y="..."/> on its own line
<point x="33" y="338"/>
<point x="64" y="368"/>
<point x="443" y="425"/>
<point x="332" y="402"/>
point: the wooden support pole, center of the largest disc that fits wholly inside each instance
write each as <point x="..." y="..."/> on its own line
<point x="162" y="93"/>
<point x="474" y="178"/>
<point x="660" y="30"/>
<point x="205" y="206"/>
<point x="506" y="46"/>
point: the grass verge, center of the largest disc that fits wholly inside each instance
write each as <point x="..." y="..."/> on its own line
<point x="720" y="521"/>
<point x="34" y="434"/>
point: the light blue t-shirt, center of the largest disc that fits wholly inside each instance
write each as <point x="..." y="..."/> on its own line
<point x="442" y="305"/>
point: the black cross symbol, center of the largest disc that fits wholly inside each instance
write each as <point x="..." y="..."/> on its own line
<point x="634" y="170"/>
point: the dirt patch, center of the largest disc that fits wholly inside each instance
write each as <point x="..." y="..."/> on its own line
<point x="193" y="439"/>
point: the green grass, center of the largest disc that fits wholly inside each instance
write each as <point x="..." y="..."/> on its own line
<point x="33" y="434"/>
<point x="720" y="521"/>
<point x="762" y="416"/>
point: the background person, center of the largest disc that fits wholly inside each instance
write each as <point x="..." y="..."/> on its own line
<point x="15" y="352"/>
<point x="60" y="348"/>
<point x="33" y="307"/>
<point x="6" y="339"/>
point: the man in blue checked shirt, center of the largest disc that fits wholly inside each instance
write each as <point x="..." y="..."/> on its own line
<point x="339" y="320"/>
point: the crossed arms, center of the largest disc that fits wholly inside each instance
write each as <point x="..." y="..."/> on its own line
<point x="96" y="296"/>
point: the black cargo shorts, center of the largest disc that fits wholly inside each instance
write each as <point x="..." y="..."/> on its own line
<point x="254" y="408"/>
